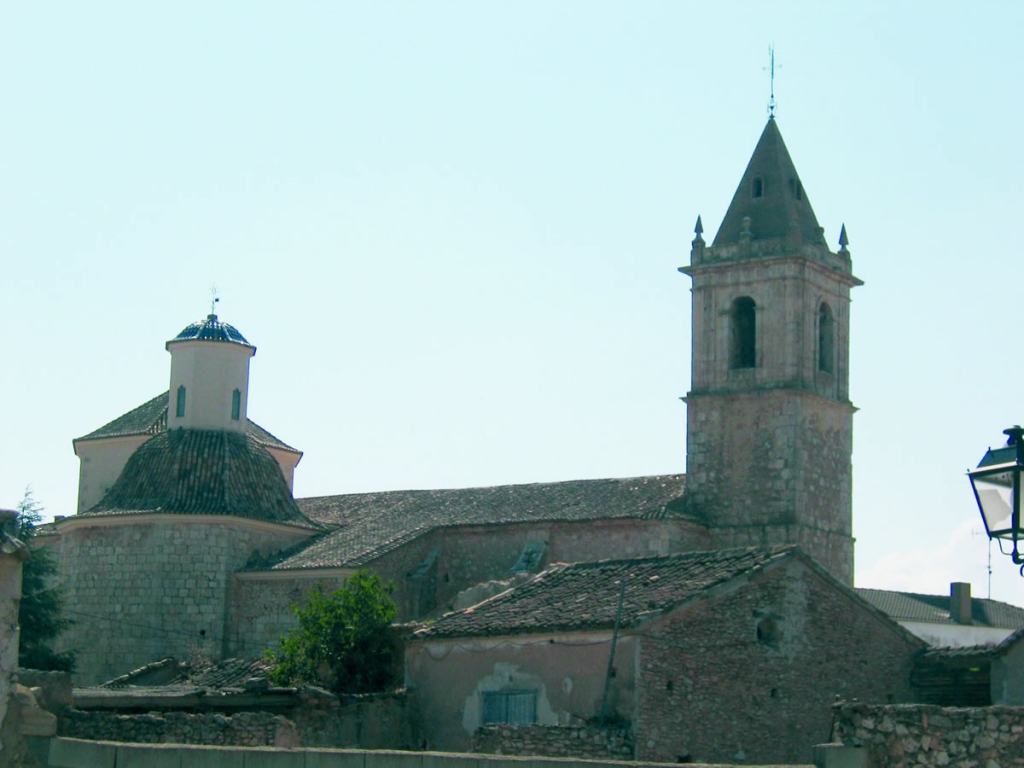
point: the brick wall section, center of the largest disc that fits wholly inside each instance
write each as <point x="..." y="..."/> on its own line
<point x="583" y="742"/>
<point x="709" y="690"/>
<point x="927" y="735"/>
<point x="141" y="591"/>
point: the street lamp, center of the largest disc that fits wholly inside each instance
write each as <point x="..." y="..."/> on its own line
<point x="997" y="486"/>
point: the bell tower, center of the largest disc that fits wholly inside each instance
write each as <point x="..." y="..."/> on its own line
<point x="769" y="430"/>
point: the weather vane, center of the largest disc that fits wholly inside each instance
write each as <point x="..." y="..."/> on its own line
<point x="771" y="80"/>
<point x="213" y="299"/>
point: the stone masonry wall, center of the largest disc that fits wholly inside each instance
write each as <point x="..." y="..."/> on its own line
<point x="586" y="742"/>
<point x="147" y="589"/>
<point x="926" y="735"/>
<point x="769" y="461"/>
<point x="750" y="676"/>
<point x="249" y="729"/>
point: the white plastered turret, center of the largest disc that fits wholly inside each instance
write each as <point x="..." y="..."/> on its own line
<point x="209" y="377"/>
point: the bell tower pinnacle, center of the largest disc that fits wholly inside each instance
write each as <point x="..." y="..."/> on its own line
<point x="769" y="433"/>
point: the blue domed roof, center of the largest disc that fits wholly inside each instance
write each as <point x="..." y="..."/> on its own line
<point x="211" y="329"/>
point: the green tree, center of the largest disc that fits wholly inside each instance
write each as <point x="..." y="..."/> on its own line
<point x="40" y="615"/>
<point x="343" y="641"/>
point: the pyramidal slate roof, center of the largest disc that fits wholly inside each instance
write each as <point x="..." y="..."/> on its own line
<point x="910" y="606"/>
<point x="203" y="472"/>
<point x="369" y="525"/>
<point x="585" y="596"/>
<point x="778" y="200"/>
<point x="150" y="418"/>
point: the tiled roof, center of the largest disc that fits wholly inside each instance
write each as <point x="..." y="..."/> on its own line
<point x="372" y="524"/>
<point x="585" y="596"/>
<point x="909" y="606"/>
<point x="150" y="418"/>
<point x="192" y="471"/>
<point x="211" y="329"/>
<point x="228" y="673"/>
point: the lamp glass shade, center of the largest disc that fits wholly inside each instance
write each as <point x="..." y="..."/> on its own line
<point x="995" y="500"/>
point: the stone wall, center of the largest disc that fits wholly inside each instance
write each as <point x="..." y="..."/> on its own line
<point x="586" y="742"/>
<point x="153" y="586"/>
<point x="773" y="468"/>
<point x="921" y="734"/>
<point x="247" y="729"/>
<point x="750" y="676"/>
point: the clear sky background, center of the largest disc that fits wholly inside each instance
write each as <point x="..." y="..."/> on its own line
<point x="452" y="231"/>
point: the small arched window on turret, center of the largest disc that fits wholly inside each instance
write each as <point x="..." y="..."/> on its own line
<point x="757" y="187"/>
<point x="826" y="338"/>
<point x="742" y="333"/>
<point x="179" y="410"/>
<point x="236" y="405"/>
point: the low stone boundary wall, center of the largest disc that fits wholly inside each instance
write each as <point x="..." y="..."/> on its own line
<point x="580" y="741"/>
<point x="254" y="729"/>
<point x="73" y="753"/>
<point x="919" y="734"/>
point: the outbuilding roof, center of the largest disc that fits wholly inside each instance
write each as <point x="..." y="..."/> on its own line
<point x="372" y="524"/>
<point x="911" y="606"/>
<point x="585" y="596"/>
<point x="150" y="418"/>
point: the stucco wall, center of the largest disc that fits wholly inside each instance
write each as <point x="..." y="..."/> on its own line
<point x="566" y="672"/>
<point x="956" y="635"/>
<point x="146" y="587"/>
<point x="711" y="691"/>
<point x="101" y="462"/>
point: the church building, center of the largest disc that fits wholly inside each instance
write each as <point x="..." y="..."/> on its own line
<point x="188" y="538"/>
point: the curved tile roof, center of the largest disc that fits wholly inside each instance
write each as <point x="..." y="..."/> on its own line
<point x="372" y="524"/>
<point x="585" y="596"/>
<point x="203" y="472"/>
<point x="211" y="329"/>
<point x="150" y="418"/>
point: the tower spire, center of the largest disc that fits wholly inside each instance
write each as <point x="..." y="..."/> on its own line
<point x="771" y="81"/>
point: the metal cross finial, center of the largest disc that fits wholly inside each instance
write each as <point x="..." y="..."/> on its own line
<point x="213" y="299"/>
<point x="771" y="79"/>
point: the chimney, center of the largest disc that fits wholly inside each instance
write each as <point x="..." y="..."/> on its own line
<point x="960" y="602"/>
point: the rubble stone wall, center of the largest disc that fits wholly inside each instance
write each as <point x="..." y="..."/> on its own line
<point x="585" y="742"/>
<point x="751" y="676"/>
<point x="246" y="729"/>
<point x="926" y="735"/>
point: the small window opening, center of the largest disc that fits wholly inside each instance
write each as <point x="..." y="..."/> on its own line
<point x="826" y="338"/>
<point x="668" y="686"/>
<point x="767" y="632"/>
<point x="757" y="187"/>
<point x="775" y="693"/>
<point x="180" y="408"/>
<point x="236" y="405"/>
<point x="799" y="190"/>
<point x="742" y="333"/>
<point x="509" y="707"/>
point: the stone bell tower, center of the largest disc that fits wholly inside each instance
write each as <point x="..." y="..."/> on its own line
<point x="769" y="420"/>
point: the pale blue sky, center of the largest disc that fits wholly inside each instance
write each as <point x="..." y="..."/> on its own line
<point x="452" y="231"/>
